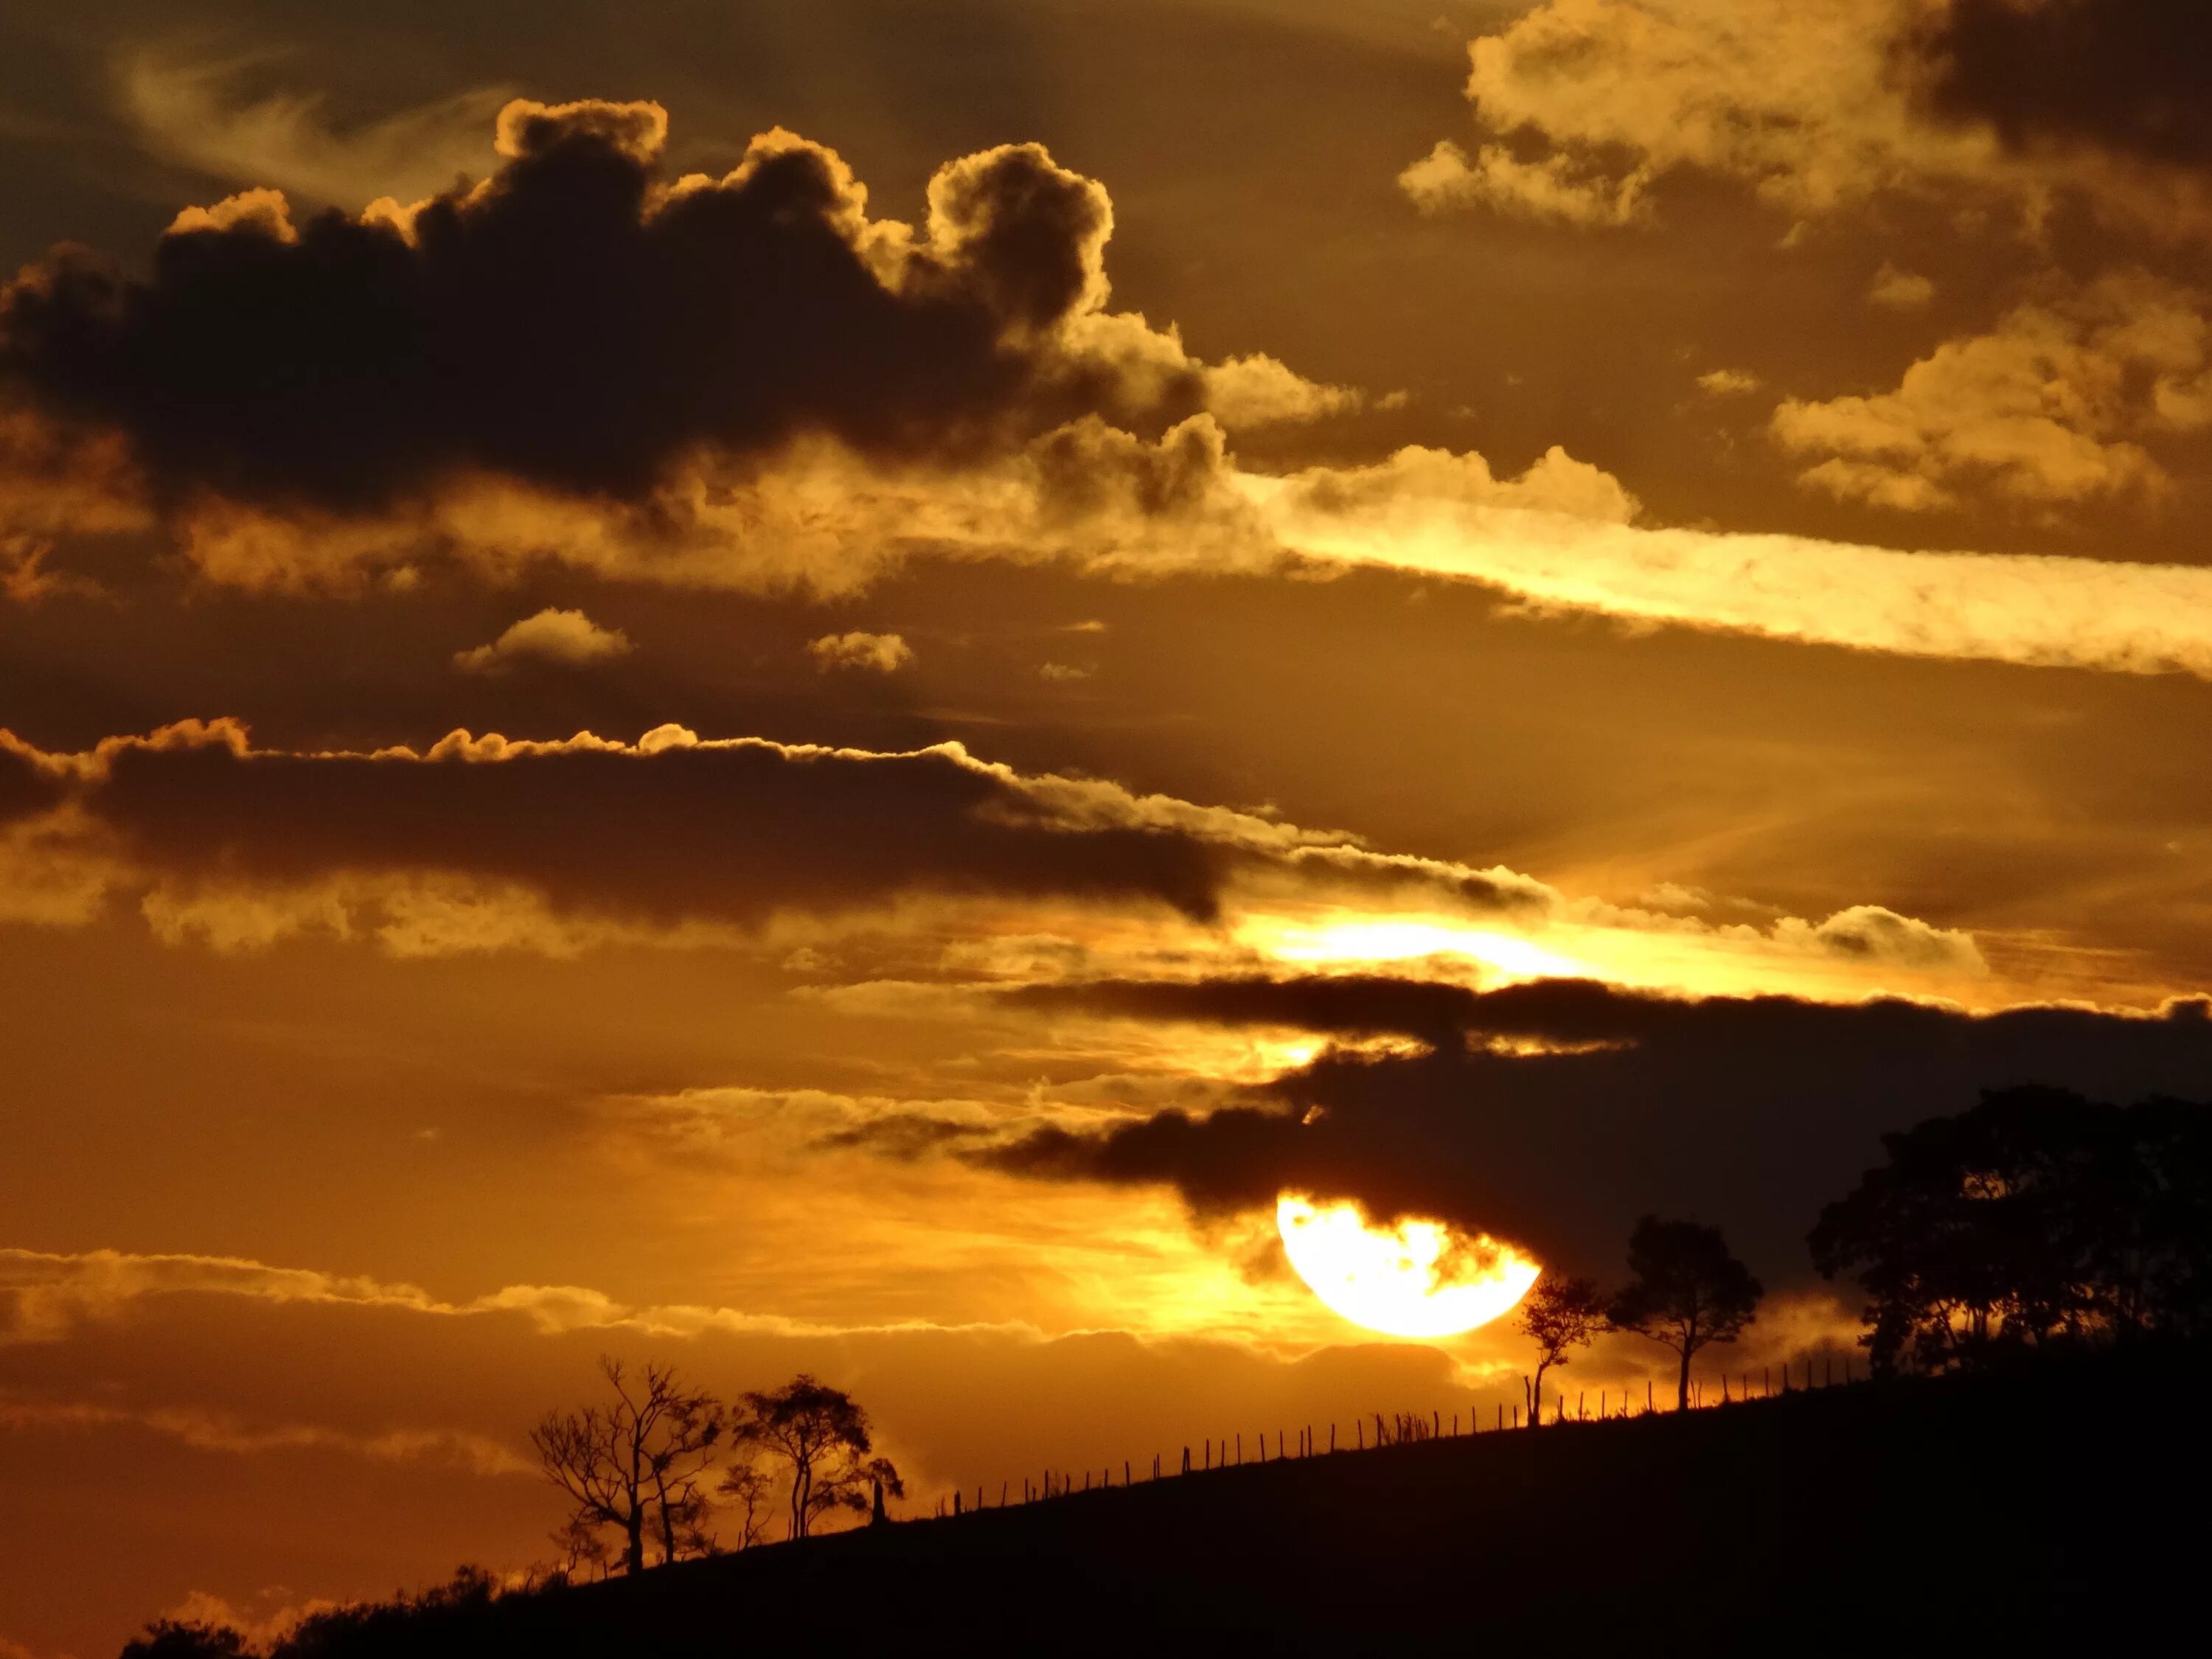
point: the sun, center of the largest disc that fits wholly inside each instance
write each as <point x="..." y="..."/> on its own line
<point x="1421" y="1278"/>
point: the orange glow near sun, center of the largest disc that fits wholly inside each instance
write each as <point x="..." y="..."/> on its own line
<point x="1419" y="1278"/>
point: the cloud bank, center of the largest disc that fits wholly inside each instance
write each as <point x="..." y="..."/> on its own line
<point x="1554" y="1113"/>
<point x="1826" y="106"/>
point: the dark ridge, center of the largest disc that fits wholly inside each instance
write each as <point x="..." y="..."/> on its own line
<point x="2051" y="1505"/>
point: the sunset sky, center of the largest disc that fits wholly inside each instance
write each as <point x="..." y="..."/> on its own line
<point x="821" y="687"/>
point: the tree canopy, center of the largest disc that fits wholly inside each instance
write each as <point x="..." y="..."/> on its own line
<point x="1559" y="1315"/>
<point x="821" y="1435"/>
<point x="2037" y="1218"/>
<point x="1686" y="1291"/>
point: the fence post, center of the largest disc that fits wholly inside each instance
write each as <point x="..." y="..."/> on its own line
<point x="1516" y="1417"/>
<point x="1185" y="1460"/>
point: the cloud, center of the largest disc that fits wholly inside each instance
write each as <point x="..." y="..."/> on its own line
<point x="2046" y="409"/>
<point x="1728" y="383"/>
<point x="480" y="843"/>
<point x="1557" y="189"/>
<point x="2129" y="76"/>
<point x="581" y="325"/>
<point x="880" y="653"/>
<point x="785" y="392"/>
<point x="1821" y="106"/>
<point x="30" y="782"/>
<point x="46" y="1296"/>
<point x="192" y="113"/>
<point x="1899" y="290"/>
<point x="569" y="637"/>
<point x="665" y="830"/>
<point x="1554" y="1113"/>
<point x="1871" y="932"/>
<point x="208" y="1431"/>
<point x="2034" y="609"/>
<point x="932" y="865"/>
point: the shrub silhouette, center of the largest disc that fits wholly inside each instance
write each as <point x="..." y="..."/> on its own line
<point x="170" y="1638"/>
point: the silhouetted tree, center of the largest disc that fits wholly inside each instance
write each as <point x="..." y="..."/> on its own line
<point x="2038" y="1217"/>
<point x="171" y="1638"/>
<point x="822" y="1437"/>
<point x="635" y="1465"/>
<point x="1686" y="1292"/>
<point x="1559" y="1316"/>
<point x="746" y="1487"/>
<point x="583" y="1549"/>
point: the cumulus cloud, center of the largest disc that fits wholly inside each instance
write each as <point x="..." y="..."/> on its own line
<point x="880" y="653"/>
<point x="1820" y="105"/>
<point x="2047" y="408"/>
<point x="1557" y="189"/>
<point x="350" y="365"/>
<point x="1550" y="1112"/>
<point x="569" y="637"/>
<point x="787" y="391"/>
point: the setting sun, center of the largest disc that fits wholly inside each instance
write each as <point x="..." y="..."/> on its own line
<point x="1419" y="1278"/>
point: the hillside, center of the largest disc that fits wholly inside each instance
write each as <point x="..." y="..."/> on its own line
<point x="2061" y="1503"/>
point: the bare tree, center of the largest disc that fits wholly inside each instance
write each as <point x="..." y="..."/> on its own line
<point x="1559" y="1316"/>
<point x="635" y="1465"/>
<point x="745" y="1488"/>
<point x="582" y="1549"/>
<point x="1687" y="1290"/>
<point x="821" y="1435"/>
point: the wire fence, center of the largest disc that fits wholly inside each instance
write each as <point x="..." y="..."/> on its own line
<point x="1377" y="1430"/>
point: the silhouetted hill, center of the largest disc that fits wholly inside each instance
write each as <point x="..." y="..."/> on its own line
<point x="2053" y="1506"/>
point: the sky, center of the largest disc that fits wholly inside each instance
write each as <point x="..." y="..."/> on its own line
<point x="823" y="688"/>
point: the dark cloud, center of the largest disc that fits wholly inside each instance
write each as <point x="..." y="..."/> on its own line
<point x="576" y="324"/>
<point x="667" y="831"/>
<point x="1557" y="1111"/>
<point x="26" y="787"/>
<point x="1352" y="1004"/>
<point x="2133" y="76"/>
